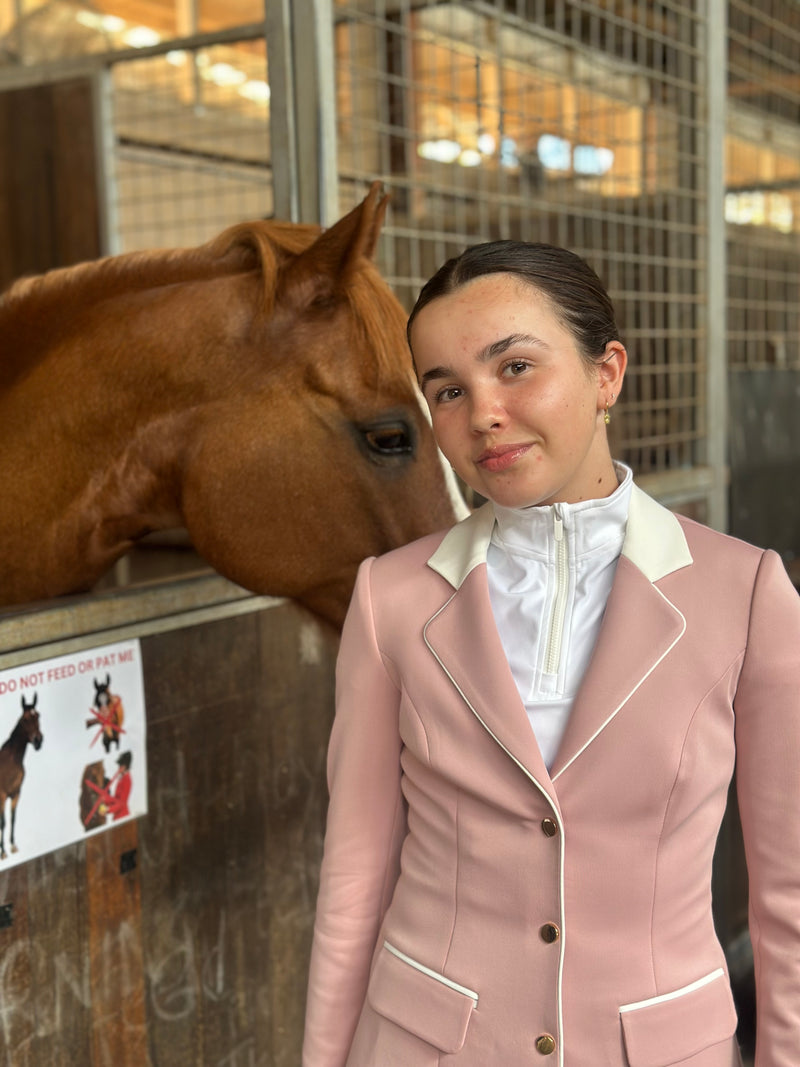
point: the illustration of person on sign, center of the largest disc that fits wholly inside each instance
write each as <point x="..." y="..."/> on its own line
<point x="117" y="803"/>
<point x="111" y="798"/>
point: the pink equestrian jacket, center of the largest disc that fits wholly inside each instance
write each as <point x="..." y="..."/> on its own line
<point x="478" y="911"/>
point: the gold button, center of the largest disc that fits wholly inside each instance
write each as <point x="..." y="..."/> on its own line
<point x="545" y="1043"/>
<point x="549" y="827"/>
<point x="550" y="933"/>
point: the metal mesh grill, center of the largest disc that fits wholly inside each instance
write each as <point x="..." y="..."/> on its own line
<point x="762" y="202"/>
<point x="567" y="122"/>
<point x="191" y="144"/>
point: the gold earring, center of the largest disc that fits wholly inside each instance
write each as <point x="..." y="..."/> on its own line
<point x="606" y="413"/>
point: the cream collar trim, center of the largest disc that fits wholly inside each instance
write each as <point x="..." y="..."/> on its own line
<point x="654" y="541"/>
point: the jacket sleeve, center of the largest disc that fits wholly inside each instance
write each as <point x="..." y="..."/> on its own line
<point x="365" y="829"/>
<point x="767" y="706"/>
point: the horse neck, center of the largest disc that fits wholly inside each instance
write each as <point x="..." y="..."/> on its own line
<point x="122" y="390"/>
<point x="129" y="352"/>
<point x="37" y="313"/>
<point x="17" y="742"/>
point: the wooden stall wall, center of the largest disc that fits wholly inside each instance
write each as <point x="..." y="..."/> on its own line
<point x="182" y="938"/>
<point x="49" y="200"/>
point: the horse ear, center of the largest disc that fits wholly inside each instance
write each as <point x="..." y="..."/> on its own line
<point x="35" y="698"/>
<point x="321" y="271"/>
<point x="108" y="680"/>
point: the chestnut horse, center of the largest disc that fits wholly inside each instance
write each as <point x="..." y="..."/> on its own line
<point x="12" y="770"/>
<point x="255" y="390"/>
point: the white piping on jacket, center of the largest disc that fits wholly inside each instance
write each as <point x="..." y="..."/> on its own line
<point x="555" y="811"/>
<point x="644" y="677"/>
<point x="719" y="973"/>
<point x="432" y="974"/>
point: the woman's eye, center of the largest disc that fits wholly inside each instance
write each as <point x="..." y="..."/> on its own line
<point x="515" y="368"/>
<point x="450" y="392"/>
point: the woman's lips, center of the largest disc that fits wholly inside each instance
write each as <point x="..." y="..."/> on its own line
<point x="501" y="458"/>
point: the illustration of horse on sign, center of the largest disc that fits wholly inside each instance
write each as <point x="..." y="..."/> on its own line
<point x="12" y="769"/>
<point x="256" y="391"/>
<point x="107" y="715"/>
<point x="92" y="782"/>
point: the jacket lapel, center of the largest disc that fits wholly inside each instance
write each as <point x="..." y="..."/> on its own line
<point x="464" y="640"/>
<point x="640" y="627"/>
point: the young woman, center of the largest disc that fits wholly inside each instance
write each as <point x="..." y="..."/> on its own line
<point x="538" y="715"/>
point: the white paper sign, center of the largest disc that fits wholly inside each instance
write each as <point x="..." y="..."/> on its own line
<point x="73" y="759"/>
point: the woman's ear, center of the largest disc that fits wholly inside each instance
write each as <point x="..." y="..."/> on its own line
<point x="611" y="373"/>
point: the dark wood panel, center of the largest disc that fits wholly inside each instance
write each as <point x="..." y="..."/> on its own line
<point x="49" y="202"/>
<point x="293" y="792"/>
<point x="17" y="993"/>
<point x="58" y="926"/>
<point x="118" y="1025"/>
<point x="76" y="212"/>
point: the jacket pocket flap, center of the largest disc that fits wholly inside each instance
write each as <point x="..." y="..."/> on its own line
<point x="426" y="1004"/>
<point x="675" y="1026"/>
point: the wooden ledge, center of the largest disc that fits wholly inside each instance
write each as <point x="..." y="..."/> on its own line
<point x="69" y="624"/>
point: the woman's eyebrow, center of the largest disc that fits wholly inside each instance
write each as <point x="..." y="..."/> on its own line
<point x="433" y="374"/>
<point x="496" y="348"/>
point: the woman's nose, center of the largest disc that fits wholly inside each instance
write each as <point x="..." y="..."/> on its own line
<point x="487" y="413"/>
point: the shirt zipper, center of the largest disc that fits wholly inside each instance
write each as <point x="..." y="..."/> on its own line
<point x="552" y="659"/>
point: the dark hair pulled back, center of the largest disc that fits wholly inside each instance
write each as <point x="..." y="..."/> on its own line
<point x="574" y="290"/>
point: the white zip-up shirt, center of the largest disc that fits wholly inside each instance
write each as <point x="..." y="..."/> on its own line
<point x="550" y="573"/>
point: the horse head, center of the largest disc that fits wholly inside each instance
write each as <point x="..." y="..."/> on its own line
<point x="328" y="456"/>
<point x="29" y="723"/>
<point x="261" y="395"/>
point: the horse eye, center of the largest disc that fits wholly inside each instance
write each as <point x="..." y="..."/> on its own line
<point x="389" y="440"/>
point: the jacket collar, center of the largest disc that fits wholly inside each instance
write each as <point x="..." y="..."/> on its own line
<point x="654" y="542"/>
<point x="638" y="618"/>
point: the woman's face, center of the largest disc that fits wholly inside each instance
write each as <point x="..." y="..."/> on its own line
<point x="516" y="409"/>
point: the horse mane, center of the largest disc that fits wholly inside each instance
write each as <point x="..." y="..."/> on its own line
<point x="230" y="252"/>
<point x="31" y="310"/>
<point x="380" y="318"/>
<point x="15" y="734"/>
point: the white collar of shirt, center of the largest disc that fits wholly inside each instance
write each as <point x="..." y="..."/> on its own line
<point x="591" y="525"/>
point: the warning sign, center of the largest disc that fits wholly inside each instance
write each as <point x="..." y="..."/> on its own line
<point x="72" y="749"/>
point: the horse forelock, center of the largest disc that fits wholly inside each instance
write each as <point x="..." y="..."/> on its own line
<point x="381" y="320"/>
<point x="375" y="311"/>
<point x="266" y="245"/>
<point x="378" y="315"/>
